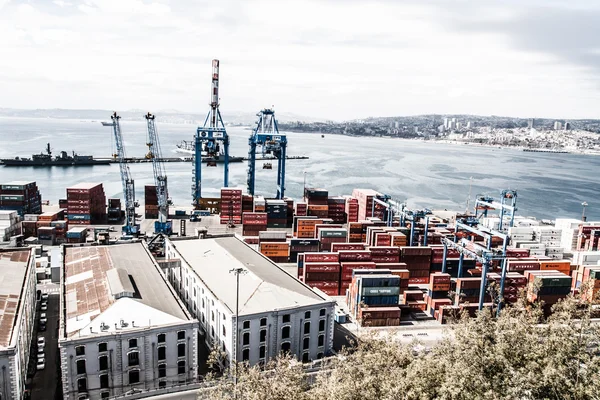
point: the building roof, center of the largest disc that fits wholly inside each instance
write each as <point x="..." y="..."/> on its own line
<point x="91" y="276"/>
<point x="13" y="265"/>
<point x="265" y="287"/>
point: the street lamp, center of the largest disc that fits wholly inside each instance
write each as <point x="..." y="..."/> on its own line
<point x="584" y="204"/>
<point x="237" y="271"/>
<point x="304" y="184"/>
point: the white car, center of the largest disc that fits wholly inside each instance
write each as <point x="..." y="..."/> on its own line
<point x="43" y="318"/>
<point x="44" y="296"/>
<point x="41" y="341"/>
<point x="41" y="364"/>
<point x="40" y="349"/>
<point x="41" y="357"/>
<point x="44" y="307"/>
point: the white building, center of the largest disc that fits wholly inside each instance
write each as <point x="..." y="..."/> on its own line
<point x="557" y="125"/>
<point x="276" y="313"/>
<point x="122" y="327"/>
<point x="17" y="313"/>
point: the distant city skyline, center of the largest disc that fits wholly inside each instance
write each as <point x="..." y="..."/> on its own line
<point x="323" y="59"/>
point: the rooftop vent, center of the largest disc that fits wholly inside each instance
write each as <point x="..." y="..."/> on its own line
<point x="119" y="283"/>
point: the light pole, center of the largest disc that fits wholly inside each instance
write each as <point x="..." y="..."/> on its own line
<point x="584" y="204"/>
<point x="237" y="271"/>
<point x="304" y="184"/>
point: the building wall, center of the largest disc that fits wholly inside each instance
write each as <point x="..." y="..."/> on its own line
<point x="117" y="352"/>
<point x="14" y="360"/>
<point x="217" y="321"/>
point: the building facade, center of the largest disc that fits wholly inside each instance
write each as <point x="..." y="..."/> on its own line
<point x="17" y="308"/>
<point x="276" y="312"/>
<point x="122" y="330"/>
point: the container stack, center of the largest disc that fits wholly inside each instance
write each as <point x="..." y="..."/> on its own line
<point x="301" y="209"/>
<point x="385" y="254"/>
<point x="290" y="212"/>
<point x="547" y="286"/>
<point x="277" y="211"/>
<point x="231" y="206"/>
<point x="550" y="237"/>
<point x="260" y="204"/>
<point x="150" y="202"/>
<point x="418" y="260"/>
<point x="328" y="236"/>
<point x="278" y="252"/>
<point x="351" y="208"/>
<point x="437" y="293"/>
<point x="63" y="203"/>
<point x="317" y="202"/>
<point x="522" y="265"/>
<point x="336" y="247"/>
<point x="272" y="236"/>
<point x="21" y="196"/>
<point x="589" y="277"/>
<point x="467" y="291"/>
<point x="30" y="225"/>
<point x="114" y="210"/>
<point x="322" y="271"/>
<point x="588" y="238"/>
<point x="47" y="235"/>
<point x="253" y="223"/>
<point x="305" y="228"/>
<point x="9" y="225"/>
<point x="355" y="230"/>
<point x="347" y="272"/>
<point x="414" y="300"/>
<point x="77" y="235"/>
<point x="379" y="316"/>
<point x="513" y="285"/>
<point x="247" y="203"/>
<point x="374" y="293"/>
<point x="336" y="209"/>
<point x="365" y="204"/>
<point x="298" y="246"/>
<point x="86" y="204"/>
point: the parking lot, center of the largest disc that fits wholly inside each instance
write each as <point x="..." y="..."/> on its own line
<point x="45" y="382"/>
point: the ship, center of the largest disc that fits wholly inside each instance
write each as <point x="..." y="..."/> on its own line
<point x="185" y="147"/>
<point x="556" y="151"/>
<point x="46" y="160"/>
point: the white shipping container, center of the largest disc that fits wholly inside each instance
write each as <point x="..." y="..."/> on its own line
<point x="533" y="246"/>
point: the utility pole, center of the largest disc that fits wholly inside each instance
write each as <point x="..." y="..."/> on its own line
<point x="237" y="271"/>
<point x="584" y="204"/>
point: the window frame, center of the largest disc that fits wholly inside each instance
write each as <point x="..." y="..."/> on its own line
<point x="132" y="340"/>
<point x="164" y="338"/>
<point x="77" y="351"/>
<point x="285" y="332"/>
<point x="106" y="347"/>
<point x="133" y="371"/>
<point x="158" y="350"/>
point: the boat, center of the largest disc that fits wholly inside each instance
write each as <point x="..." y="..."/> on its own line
<point x="322" y="136"/>
<point x="185" y="147"/>
<point x="46" y="160"/>
<point x="546" y="151"/>
<point x="267" y="166"/>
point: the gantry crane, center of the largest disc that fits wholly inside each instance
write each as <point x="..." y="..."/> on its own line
<point x="160" y="177"/>
<point x="266" y="134"/>
<point x="207" y="139"/>
<point x="131" y="227"/>
<point x="507" y="206"/>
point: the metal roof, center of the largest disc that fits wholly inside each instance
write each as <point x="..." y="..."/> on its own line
<point x="88" y="291"/>
<point x="13" y="267"/>
<point x="264" y="288"/>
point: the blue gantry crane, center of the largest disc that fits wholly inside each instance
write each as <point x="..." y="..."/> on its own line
<point x="507" y="206"/>
<point x="160" y="177"/>
<point x="208" y="139"/>
<point x="131" y="227"/>
<point x="266" y="134"/>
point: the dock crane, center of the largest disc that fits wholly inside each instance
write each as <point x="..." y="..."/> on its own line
<point x="131" y="227"/>
<point x="507" y="206"/>
<point x="266" y="134"/>
<point x="160" y="177"/>
<point x="207" y="139"/>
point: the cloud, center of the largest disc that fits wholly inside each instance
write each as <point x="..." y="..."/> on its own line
<point x="62" y="3"/>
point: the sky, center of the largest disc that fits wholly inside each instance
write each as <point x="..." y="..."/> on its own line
<point x="326" y="59"/>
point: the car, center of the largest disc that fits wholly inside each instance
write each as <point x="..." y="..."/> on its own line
<point x="41" y="356"/>
<point x="44" y="307"/>
<point x="42" y="327"/>
<point x="40" y="349"/>
<point x="43" y="318"/>
<point x="44" y="296"/>
<point x="41" y="341"/>
<point x="41" y="364"/>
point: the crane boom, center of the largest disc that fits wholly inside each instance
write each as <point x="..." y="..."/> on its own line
<point x="130" y="227"/>
<point x="160" y="176"/>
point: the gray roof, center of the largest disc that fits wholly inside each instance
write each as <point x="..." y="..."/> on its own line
<point x="265" y="287"/>
<point x="13" y="268"/>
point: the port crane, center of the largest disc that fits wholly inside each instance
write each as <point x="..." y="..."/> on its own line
<point x="507" y="206"/>
<point x="208" y="138"/>
<point x="131" y="227"/>
<point x="160" y="177"/>
<point x="266" y="135"/>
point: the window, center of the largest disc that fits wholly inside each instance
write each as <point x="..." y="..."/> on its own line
<point x="162" y="338"/>
<point x="285" y="346"/>
<point x="212" y="302"/>
<point x="285" y="332"/>
<point x="194" y="292"/>
<point x="102" y="347"/>
<point x="132" y="343"/>
<point x="103" y="363"/>
<point x="194" y="305"/>
<point x="212" y="315"/>
<point x="202" y="303"/>
<point x="134" y="376"/>
<point x="104" y="395"/>
<point x="307" y="315"/>
<point x="80" y="351"/>
<point x="212" y="331"/>
<point x="181" y="350"/>
<point x="263" y="335"/>
<point x="322" y="325"/>
<point x="104" y="381"/>
<point x="181" y="335"/>
<point x="305" y="343"/>
<point x="162" y="353"/>
<point x="162" y="370"/>
<point x="82" y="385"/>
<point x="246" y="339"/>
<point x="321" y="340"/>
<point x="202" y="290"/>
<point x="246" y="325"/>
<point x="80" y="367"/>
<point x="224" y="317"/>
<point x="286" y="318"/>
<point x="203" y="318"/>
<point x="162" y="384"/>
<point x="305" y="357"/>
<point x="181" y="367"/>
<point x="224" y="331"/>
<point x="261" y="352"/>
<point x="245" y="354"/>
<point x="307" y="328"/>
<point x="133" y="358"/>
<point x="263" y="322"/>
<point x="322" y="312"/>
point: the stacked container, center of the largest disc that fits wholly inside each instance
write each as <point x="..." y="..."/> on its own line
<point x="86" y="204"/>
<point x="365" y="203"/>
<point x="347" y="272"/>
<point x="547" y="286"/>
<point x="336" y="210"/>
<point x="114" y="210"/>
<point x="298" y="246"/>
<point x="231" y="206"/>
<point x="277" y="211"/>
<point x="590" y="276"/>
<point x="247" y="203"/>
<point x="21" y="196"/>
<point x="9" y="225"/>
<point x="322" y="271"/>
<point x="30" y="225"/>
<point x="47" y="235"/>
<point x="77" y="235"/>
<point x="414" y="300"/>
<point x="150" y="202"/>
<point x="317" y="202"/>
<point x="301" y="209"/>
<point x="260" y="204"/>
<point x="373" y="290"/>
<point x="588" y="237"/>
<point x="276" y="251"/>
<point x="335" y="247"/>
<point x="467" y="291"/>
<point x="385" y="254"/>
<point x="306" y="227"/>
<point x="418" y="260"/>
<point x="253" y="223"/>
<point x="351" y="208"/>
<point x="513" y="285"/>
<point x="328" y="236"/>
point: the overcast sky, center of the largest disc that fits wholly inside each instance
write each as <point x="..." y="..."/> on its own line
<point x="336" y="59"/>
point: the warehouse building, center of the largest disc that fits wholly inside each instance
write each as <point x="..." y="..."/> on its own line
<point x="17" y="313"/>
<point x="122" y="327"/>
<point x="277" y="313"/>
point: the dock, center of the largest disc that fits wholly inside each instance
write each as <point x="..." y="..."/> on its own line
<point x="134" y="160"/>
